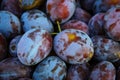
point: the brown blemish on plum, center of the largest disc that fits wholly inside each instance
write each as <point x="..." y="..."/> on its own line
<point x="37" y="56"/>
<point x="78" y="54"/>
<point x="64" y="14"/>
<point x="85" y="55"/>
<point x="62" y="1"/>
<point x="82" y="33"/>
<point x="48" y="39"/>
<point x="32" y="34"/>
<point x="47" y="36"/>
<point x="105" y="40"/>
<point x="80" y="43"/>
<point x="36" y="16"/>
<point x="86" y="15"/>
<point x="80" y="59"/>
<point x="69" y="58"/>
<point x="111" y="27"/>
<point x="23" y="54"/>
<point x="61" y="52"/>
<point x="32" y="61"/>
<point x="117" y="35"/>
<point x="14" y="26"/>
<point x="103" y="67"/>
<point x="61" y="72"/>
<point x="54" y="69"/>
<point x="49" y="6"/>
<point x="81" y="70"/>
<point x="31" y="14"/>
<point x="41" y="52"/>
<point x="19" y="54"/>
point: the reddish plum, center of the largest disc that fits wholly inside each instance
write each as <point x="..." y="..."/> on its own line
<point x="60" y="10"/>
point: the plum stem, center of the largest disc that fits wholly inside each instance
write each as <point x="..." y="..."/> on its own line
<point x="59" y="28"/>
<point x="54" y="33"/>
<point x="58" y="24"/>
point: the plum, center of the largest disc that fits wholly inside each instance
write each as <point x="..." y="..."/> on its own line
<point x="82" y="15"/>
<point x="9" y="24"/>
<point x="36" y="19"/>
<point x="34" y="46"/>
<point x="103" y="71"/>
<point x="78" y="72"/>
<point x="13" y="69"/>
<point x="76" y="24"/>
<point x="106" y="49"/>
<point x="60" y="10"/>
<point x="73" y="46"/>
<point x="96" y="25"/>
<point x="51" y="68"/>
<point x="104" y="5"/>
<point x="112" y="22"/>
<point x="87" y="4"/>
<point x="12" y="6"/>
<point x="30" y="4"/>
<point x="13" y="45"/>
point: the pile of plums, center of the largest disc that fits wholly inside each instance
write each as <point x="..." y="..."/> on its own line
<point x="59" y="39"/>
